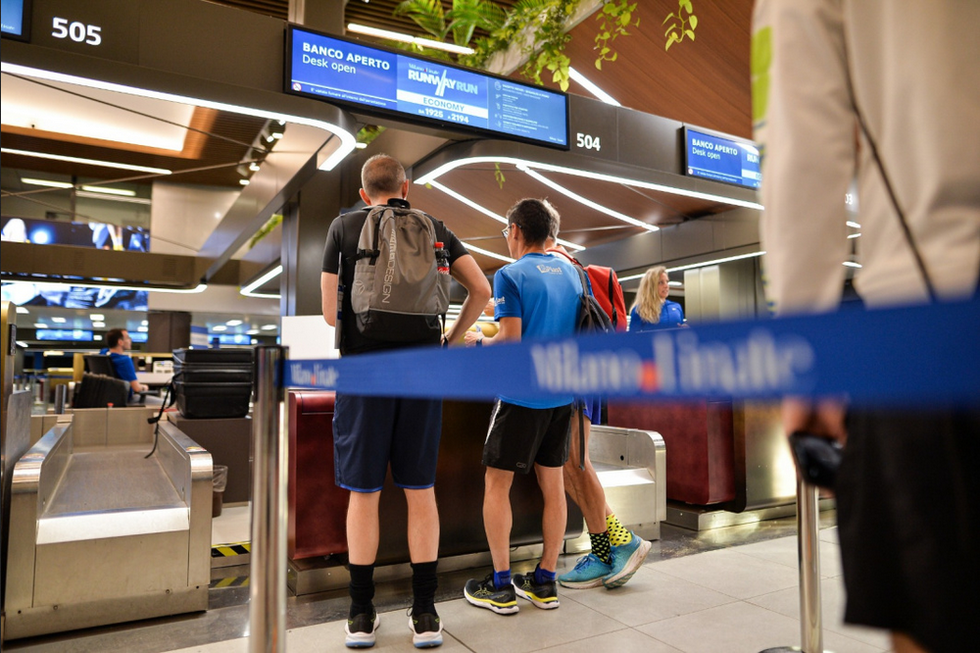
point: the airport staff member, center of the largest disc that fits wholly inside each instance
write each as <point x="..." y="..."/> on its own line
<point x="366" y="429"/>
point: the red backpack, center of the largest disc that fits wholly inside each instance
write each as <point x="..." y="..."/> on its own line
<point x="605" y="288"/>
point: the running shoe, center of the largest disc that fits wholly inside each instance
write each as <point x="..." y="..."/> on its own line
<point x="626" y="559"/>
<point x="588" y="572"/>
<point x="426" y="629"/>
<point x="544" y="596"/>
<point x="483" y="594"/>
<point x="360" y="630"/>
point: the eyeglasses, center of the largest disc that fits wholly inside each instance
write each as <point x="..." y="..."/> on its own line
<point x="506" y="230"/>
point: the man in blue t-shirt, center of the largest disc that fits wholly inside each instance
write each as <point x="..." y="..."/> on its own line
<point x="118" y="342"/>
<point x="536" y="297"/>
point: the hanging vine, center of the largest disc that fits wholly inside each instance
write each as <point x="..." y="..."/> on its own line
<point x="615" y="17"/>
<point x="680" y="27"/>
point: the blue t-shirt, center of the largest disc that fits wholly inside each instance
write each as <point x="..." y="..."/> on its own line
<point x="125" y="369"/>
<point x="542" y="290"/>
<point x="671" y="315"/>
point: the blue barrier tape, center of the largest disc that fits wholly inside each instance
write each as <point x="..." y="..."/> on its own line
<point x="924" y="356"/>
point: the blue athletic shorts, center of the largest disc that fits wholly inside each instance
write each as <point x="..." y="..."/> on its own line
<point x="521" y="437"/>
<point x="593" y="410"/>
<point x="369" y="433"/>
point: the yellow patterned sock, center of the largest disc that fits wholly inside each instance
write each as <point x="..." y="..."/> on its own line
<point x="618" y="534"/>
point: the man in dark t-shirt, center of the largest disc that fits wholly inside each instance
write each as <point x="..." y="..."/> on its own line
<point x="371" y="433"/>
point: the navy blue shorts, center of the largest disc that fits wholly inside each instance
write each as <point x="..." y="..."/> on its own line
<point x="593" y="410"/>
<point x="521" y="437"/>
<point x="371" y="432"/>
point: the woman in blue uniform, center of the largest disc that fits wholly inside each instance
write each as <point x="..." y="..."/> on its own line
<point x="651" y="309"/>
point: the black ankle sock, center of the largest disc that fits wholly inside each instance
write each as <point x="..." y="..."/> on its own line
<point x="361" y="589"/>
<point x="424" y="584"/>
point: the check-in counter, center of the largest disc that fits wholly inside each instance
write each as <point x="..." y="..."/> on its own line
<point x="318" y="507"/>
<point x="731" y="455"/>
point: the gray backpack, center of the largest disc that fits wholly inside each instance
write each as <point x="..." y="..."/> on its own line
<point x="401" y="279"/>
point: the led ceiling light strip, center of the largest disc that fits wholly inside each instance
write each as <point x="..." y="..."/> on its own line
<point x="91" y="162"/>
<point x="452" y="165"/>
<point x="407" y="38"/>
<point x="67" y="285"/>
<point x="487" y="212"/>
<point x="698" y="265"/>
<point x="587" y="202"/>
<point x="249" y="290"/>
<point x="346" y="138"/>
<point x="588" y="85"/>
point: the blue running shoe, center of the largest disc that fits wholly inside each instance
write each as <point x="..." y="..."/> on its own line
<point x="589" y="572"/>
<point x="626" y="559"/>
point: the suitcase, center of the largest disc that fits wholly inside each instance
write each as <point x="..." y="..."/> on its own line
<point x="213" y="400"/>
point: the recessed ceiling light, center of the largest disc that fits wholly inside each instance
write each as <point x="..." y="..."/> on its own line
<point x="22" y="310"/>
<point x="219" y="327"/>
<point x="107" y="190"/>
<point x="90" y="162"/>
<point x="96" y="317"/>
<point x="40" y="325"/>
<point x="142" y="329"/>
<point x="269" y="327"/>
<point x="233" y="322"/>
<point x="145" y="323"/>
<point x="98" y="325"/>
<point x="58" y="320"/>
<point x="50" y="183"/>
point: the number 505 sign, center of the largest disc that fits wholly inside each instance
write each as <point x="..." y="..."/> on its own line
<point x="76" y="30"/>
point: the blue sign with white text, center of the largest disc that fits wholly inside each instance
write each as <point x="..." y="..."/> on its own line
<point x="722" y="159"/>
<point x="335" y="69"/>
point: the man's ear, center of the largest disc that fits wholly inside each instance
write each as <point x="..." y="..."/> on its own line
<point x="364" y="196"/>
<point x="405" y="189"/>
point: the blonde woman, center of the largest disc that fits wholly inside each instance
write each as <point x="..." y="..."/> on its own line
<point x="651" y="309"/>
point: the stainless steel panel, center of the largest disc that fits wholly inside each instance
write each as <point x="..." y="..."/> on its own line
<point x="107" y="568"/>
<point x="764" y="471"/>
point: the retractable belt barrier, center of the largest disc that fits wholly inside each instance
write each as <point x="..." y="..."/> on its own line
<point x="925" y="356"/>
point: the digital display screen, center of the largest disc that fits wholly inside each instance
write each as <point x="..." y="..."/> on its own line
<point x="721" y="158"/>
<point x="423" y="90"/>
<point x="65" y="335"/>
<point x="27" y="293"/>
<point x="81" y="234"/>
<point x="16" y="18"/>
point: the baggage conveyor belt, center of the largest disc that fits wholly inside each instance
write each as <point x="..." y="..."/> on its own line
<point x="102" y="534"/>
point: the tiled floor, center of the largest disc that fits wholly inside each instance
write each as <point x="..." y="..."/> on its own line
<point x="729" y="590"/>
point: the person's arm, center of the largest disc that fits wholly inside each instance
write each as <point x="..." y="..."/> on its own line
<point x="805" y="129"/>
<point x="510" y="330"/>
<point x="466" y="271"/>
<point x="328" y="297"/>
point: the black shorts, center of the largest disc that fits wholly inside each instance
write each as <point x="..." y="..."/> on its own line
<point x="371" y="432"/>
<point x="908" y="511"/>
<point x="521" y="437"/>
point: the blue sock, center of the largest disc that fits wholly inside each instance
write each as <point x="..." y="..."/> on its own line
<point x="501" y="579"/>
<point x="543" y="576"/>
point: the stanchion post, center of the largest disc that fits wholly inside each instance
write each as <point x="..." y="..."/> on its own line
<point x="807" y="516"/>
<point x="808" y="549"/>
<point x="267" y="591"/>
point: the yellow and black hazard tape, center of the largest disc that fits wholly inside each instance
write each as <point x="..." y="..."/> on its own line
<point x="231" y="581"/>
<point x="232" y="549"/>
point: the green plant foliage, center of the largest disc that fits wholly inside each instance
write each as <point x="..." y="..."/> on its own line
<point x="266" y="229"/>
<point x="368" y="133"/>
<point x="461" y="21"/>
<point x="498" y="174"/>
<point x="615" y="17"/>
<point x="759" y="68"/>
<point x="680" y="27"/>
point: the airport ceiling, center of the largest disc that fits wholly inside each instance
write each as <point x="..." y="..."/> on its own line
<point x="703" y="82"/>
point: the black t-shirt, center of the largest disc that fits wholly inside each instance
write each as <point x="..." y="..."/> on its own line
<point x="341" y="243"/>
